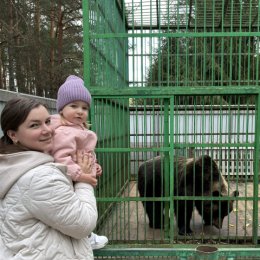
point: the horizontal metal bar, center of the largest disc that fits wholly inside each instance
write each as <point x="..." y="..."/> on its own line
<point x="123" y="149"/>
<point x="177" y="250"/>
<point x="174" y="35"/>
<point x="166" y="92"/>
<point x="189" y="27"/>
<point x="176" y="198"/>
<point x="167" y="149"/>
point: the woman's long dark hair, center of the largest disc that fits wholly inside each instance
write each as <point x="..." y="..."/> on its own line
<point x="13" y="115"/>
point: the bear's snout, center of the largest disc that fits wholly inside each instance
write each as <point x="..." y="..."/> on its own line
<point x="235" y="193"/>
<point x="217" y="223"/>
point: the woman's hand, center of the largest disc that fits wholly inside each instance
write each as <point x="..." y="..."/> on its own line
<point x="85" y="161"/>
<point x="88" y="178"/>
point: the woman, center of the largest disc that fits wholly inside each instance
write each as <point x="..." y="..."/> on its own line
<point x="42" y="215"/>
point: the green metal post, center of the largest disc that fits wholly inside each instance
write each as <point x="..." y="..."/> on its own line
<point x="171" y="169"/>
<point x="166" y="166"/>
<point x="86" y="42"/>
<point x="256" y="172"/>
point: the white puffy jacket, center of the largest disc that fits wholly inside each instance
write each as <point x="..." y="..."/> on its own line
<point x="42" y="216"/>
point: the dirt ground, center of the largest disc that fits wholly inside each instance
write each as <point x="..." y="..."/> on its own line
<point x="128" y="222"/>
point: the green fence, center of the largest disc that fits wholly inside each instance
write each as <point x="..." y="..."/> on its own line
<point x="174" y="79"/>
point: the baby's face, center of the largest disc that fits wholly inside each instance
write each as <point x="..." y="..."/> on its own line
<point x="76" y="112"/>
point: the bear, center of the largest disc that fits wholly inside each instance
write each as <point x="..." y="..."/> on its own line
<point x="192" y="177"/>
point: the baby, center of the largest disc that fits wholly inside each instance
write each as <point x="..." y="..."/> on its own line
<point x="71" y="134"/>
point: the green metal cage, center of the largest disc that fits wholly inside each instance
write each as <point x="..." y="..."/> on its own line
<point x="174" y="78"/>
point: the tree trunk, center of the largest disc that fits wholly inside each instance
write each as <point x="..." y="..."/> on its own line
<point x="60" y="33"/>
<point x="11" y="47"/>
<point x="1" y="72"/>
<point x="52" y="35"/>
<point x="38" y="75"/>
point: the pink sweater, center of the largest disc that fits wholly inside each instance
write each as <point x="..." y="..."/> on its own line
<point x="67" y="140"/>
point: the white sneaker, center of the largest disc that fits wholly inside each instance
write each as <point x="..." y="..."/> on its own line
<point x="96" y="241"/>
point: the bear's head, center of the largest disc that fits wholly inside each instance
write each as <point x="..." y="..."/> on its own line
<point x="221" y="202"/>
<point x="215" y="211"/>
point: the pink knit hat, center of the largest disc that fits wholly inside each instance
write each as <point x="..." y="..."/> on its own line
<point x="71" y="90"/>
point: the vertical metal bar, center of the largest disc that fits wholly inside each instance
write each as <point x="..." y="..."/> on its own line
<point x="163" y="236"/>
<point x="166" y="165"/>
<point x="86" y="53"/>
<point x="240" y="45"/>
<point x="256" y="172"/>
<point x="136" y="158"/>
<point x="177" y="63"/>
<point x="214" y="40"/>
<point x="256" y="151"/>
<point x="171" y="169"/>
<point x="222" y="43"/>
<point x="86" y="42"/>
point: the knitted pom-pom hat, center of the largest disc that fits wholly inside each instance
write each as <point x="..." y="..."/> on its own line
<point x="71" y="90"/>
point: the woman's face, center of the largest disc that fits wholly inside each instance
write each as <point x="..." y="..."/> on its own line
<point x="35" y="132"/>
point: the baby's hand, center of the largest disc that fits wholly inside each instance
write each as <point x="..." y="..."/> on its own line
<point x="98" y="169"/>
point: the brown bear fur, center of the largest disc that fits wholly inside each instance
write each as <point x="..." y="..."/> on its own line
<point x="192" y="177"/>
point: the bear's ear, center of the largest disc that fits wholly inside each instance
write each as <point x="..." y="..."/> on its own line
<point x="203" y="160"/>
<point x="206" y="159"/>
<point x="216" y="193"/>
<point x="203" y="167"/>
